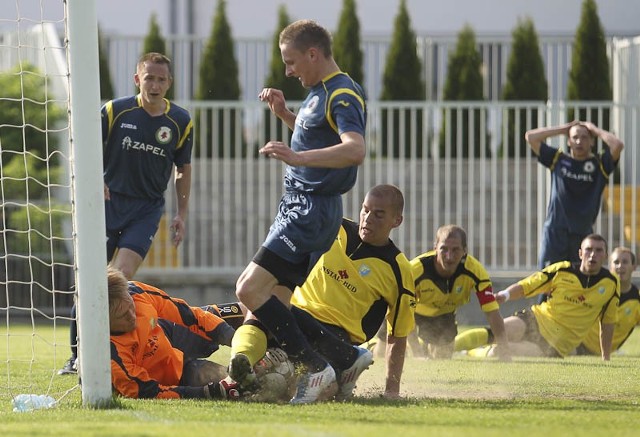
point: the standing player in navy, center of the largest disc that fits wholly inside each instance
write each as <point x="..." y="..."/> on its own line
<point x="326" y="147"/>
<point x="577" y="181"/>
<point x="143" y="137"/>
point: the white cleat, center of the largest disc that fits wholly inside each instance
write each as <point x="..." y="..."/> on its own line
<point x="348" y="377"/>
<point x="313" y="387"/>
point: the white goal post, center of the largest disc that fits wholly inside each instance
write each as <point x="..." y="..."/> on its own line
<point x="88" y="211"/>
<point x="52" y="231"/>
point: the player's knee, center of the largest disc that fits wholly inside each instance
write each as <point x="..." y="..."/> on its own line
<point x="249" y="295"/>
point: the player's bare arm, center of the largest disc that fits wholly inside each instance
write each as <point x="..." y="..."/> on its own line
<point x="497" y="327"/>
<point x="274" y="98"/>
<point x="512" y="292"/>
<point x="614" y="143"/>
<point x="395" y="353"/>
<point x="606" y="339"/>
<point x="351" y="151"/>
<point x="535" y="137"/>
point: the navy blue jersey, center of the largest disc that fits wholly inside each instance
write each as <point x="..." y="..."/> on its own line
<point x="576" y="188"/>
<point x="140" y="149"/>
<point x="334" y="106"/>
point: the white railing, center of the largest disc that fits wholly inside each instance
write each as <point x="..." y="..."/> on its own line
<point x="501" y="201"/>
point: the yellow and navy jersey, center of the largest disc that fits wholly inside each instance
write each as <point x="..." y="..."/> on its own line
<point x="628" y="318"/>
<point x="334" y="106"/>
<point x="144" y="363"/>
<point x="355" y="285"/>
<point x="438" y="295"/>
<point x="576" y="187"/>
<point x="576" y="301"/>
<point x="139" y="150"/>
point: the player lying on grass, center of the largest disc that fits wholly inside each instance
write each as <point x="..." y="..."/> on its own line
<point x="579" y="295"/>
<point x="623" y="263"/>
<point x="158" y="344"/>
<point x="361" y="281"/>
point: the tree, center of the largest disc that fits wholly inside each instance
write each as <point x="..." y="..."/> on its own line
<point x="219" y="81"/>
<point x="463" y="83"/>
<point x="154" y="42"/>
<point x="589" y="75"/>
<point x="290" y="86"/>
<point x="30" y="164"/>
<point x="277" y="78"/>
<point x="106" y="86"/>
<point x="402" y="81"/>
<point x="347" y="50"/>
<point x="525" y="81"/>
<point x="25" y="103"/>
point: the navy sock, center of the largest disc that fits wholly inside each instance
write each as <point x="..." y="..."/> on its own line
<point x="280" y="322"/>
<point x="338" y="351"/>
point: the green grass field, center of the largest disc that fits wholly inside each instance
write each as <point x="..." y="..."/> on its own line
<point x="461" y="397"/>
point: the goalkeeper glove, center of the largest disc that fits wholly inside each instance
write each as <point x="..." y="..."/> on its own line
<point x="224" y="389"/>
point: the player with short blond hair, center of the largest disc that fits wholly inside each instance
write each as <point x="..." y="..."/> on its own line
<point x="327" y="145"/>
<point x="623" y="262"/>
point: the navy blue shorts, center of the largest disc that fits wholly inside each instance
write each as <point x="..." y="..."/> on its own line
<point x="131" y="223"/>
<point x="304" y="228"/>
<point x="558" y="244"/>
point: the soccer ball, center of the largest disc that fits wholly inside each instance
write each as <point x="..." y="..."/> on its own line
<point x="275" y="375"/>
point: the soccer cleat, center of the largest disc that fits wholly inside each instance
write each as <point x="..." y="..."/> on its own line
<point x="314" y="387"/>
<point x="70" y="367"/>
<point x="241" y="371"/>
<point x="348" y="377"/>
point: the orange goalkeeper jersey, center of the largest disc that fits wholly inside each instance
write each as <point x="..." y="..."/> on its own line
<point x="145" y="363"/>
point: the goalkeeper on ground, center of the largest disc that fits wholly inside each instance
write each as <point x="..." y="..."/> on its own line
<point x="158" y="342"/>
<point x="363" y="279"/>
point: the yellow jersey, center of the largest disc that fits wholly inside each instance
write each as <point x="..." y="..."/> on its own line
<point x="628" y="318"/>
<point x="355" y="285"/>
<point x="576" y="301"/>
<point x="438" y="295"/>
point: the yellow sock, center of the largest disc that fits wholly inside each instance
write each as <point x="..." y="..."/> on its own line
<point x="250" y="341"/>
<point x="471" y="339"/>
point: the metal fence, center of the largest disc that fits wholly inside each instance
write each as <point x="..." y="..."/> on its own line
<point x="500" y="200"/>
<point x="253" y="56"/>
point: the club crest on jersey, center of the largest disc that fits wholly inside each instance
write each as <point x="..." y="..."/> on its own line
<point x="364" y="270"/>
<point x="163" y="135"/>
<point x="311" y="106"/>
<point x="459" y="289"/>
<point x="601" y="290"/>
<point x="589" y="167"/>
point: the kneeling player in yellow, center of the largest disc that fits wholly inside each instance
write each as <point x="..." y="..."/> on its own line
<point x="363" y="279"/>
<point x="445" y="277"/>
<point x="623" y="263"/>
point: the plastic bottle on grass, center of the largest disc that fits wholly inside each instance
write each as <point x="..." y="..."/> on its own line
<point x="30" y="402"/>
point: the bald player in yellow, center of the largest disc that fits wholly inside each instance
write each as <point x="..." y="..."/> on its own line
<point x="361" y="281"/>
<point x="579" y="295"/>
<point x="623" y="262"/>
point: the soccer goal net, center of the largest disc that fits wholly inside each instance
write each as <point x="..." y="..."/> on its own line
<point x="51" y="208"/>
